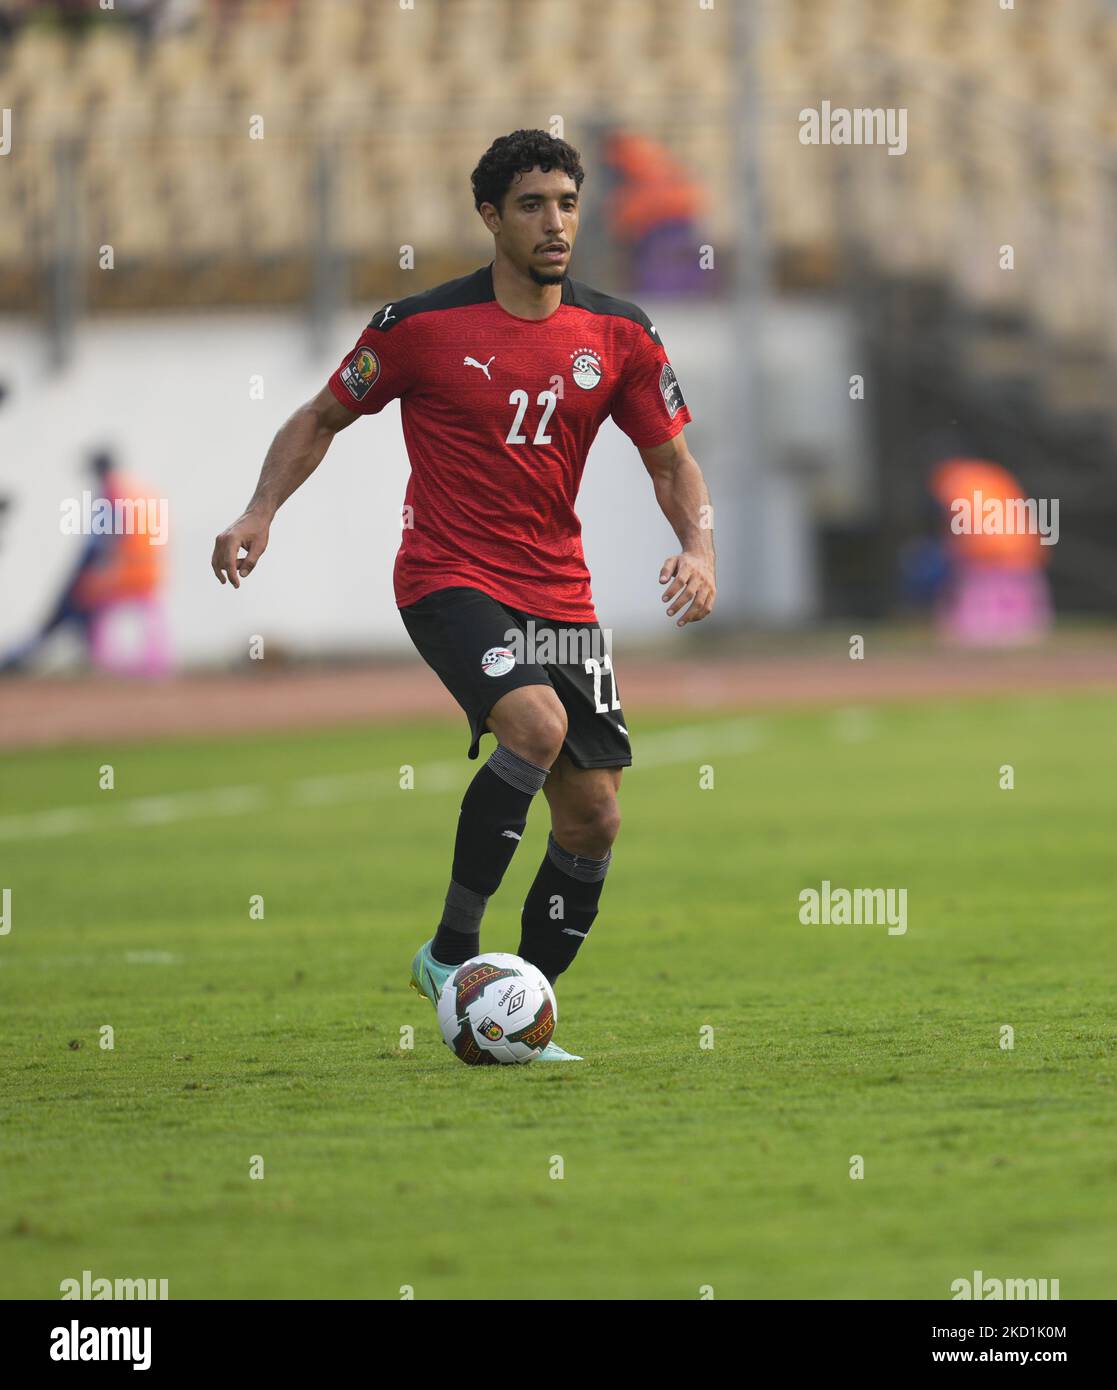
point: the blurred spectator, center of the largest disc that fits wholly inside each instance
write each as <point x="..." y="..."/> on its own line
<point x="995" y="592"/>
<point x="116" y="585"/>
<point x="654" y="208"/>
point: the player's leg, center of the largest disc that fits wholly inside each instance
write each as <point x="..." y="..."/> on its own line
<point x="585" y="816"/>
<point x="530" y="725"/>
<point x="582" y="793"/>
<point x="563" y="901"/>
<point x="462" y="634"/>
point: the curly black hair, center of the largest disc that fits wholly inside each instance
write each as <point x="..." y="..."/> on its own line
<point x="518" y="153"/>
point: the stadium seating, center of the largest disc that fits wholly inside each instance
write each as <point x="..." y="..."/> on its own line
<point x="381" y="111"/>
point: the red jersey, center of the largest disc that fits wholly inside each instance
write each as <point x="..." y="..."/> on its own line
<point x="498" y="416"/>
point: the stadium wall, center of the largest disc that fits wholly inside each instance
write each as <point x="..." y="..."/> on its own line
<point x="173" y="397"/>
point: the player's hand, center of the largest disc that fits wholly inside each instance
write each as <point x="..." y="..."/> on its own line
<point x="690" y="581"/>
<point x="248" y="533"/>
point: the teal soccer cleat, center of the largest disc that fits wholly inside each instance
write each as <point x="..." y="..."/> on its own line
<point x="553" y="1053"/>
<point x="429" y="975"/>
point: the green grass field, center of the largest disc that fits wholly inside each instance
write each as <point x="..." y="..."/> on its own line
<point x="683" y="1166"/>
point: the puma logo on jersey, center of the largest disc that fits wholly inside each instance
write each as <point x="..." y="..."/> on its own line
<point x="483" y="366"/>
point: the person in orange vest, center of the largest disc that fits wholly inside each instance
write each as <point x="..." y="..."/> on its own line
<point x="123" y="595"/>
<point x="997" y="592"/>
<point x="654" y="208"/>
<point x="119" y="575"/>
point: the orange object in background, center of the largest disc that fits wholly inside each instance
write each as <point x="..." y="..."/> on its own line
<point x="965" y="478"/>
<point x="997" y="594"/>
<point x="133" y="567"/>
<point x="655" y="187"/>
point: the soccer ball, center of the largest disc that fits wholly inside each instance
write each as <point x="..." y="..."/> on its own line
<point x="497" y="1008"/>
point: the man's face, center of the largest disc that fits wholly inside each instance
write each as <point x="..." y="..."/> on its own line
<point x="538" y="224"/>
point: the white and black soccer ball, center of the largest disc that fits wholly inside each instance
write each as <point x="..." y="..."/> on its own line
<point x="497" y="1008"/>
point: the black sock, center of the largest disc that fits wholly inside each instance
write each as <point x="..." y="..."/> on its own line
<point x="458" y="937"/>
<point x="560" y="907"/>
<point x="490" y="823"/>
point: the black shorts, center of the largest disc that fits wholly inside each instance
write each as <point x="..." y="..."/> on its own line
<point x="481" y="649"/>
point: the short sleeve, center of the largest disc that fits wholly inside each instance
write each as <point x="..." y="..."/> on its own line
<point x="648" y="404"/>
<point x="375" y="371"/>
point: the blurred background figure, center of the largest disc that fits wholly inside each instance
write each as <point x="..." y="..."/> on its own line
<point x="112" y="599"/>
<point x="654" y="210"/>
<point x="995" y="590"/>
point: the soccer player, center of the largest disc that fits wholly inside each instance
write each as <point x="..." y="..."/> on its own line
<point x="504" y="377"/>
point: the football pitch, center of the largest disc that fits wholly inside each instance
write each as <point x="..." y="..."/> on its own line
<point x="738" y="1063"/>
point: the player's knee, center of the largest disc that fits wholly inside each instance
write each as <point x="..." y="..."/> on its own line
<point x="591" y="828"/>
<point x="541" y="741"/>
<point x="532" y="725"/>
<point x="606" y="823"/>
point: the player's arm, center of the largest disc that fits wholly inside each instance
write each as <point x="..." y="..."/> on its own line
<point x="681" y="492"/>
<point x="296" y="451"/>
